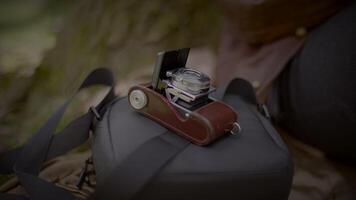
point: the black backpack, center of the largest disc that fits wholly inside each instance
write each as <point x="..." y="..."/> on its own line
<point x="136" y="158"/>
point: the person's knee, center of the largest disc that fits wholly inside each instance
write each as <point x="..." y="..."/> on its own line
<point x="322" y="86"/>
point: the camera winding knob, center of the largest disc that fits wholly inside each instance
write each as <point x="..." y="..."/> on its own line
<point x="138" y="99"/>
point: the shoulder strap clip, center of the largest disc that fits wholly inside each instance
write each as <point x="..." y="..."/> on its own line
<point x="93" y="110"/>
<point x="262" y="108"/>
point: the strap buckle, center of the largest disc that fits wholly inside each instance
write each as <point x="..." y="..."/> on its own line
<point x="264" y="110"/>
<point x="93" y="110"/>
<point x="84" y="175"/>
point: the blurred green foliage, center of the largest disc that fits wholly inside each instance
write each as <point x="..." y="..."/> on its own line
<point x="47" y="47"/>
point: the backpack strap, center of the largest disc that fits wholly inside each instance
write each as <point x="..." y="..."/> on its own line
<point x="126" y="180"/>
<point x="240" y="87"/>
<point x="131" y="176"/>
<point x="244" y="90"/>
<point x="26" y="161"/>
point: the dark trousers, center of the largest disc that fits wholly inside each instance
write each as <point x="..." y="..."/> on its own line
<point x="317" y="91"/>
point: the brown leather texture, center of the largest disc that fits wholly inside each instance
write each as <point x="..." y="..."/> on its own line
<point x="202" y="126"/>
<point x="259" y="64"/>
<point x="260" y="37"/>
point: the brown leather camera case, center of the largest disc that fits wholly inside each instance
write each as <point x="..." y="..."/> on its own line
<point x="202" y="126"/>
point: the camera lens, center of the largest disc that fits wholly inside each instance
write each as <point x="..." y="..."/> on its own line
<point x="190" y="80"/>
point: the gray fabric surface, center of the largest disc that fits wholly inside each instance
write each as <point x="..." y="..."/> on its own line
<point x="252" y="165"/>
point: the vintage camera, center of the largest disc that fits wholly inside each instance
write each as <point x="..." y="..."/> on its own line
<point x="178" y="98"/>
<point x="187" y="89"/>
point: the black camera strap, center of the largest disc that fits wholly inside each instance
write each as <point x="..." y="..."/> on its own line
<point x="244" y="90"/>
<point x="132" y="175"/>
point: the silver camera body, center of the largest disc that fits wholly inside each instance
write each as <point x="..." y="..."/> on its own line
<point x="187" y="88"/>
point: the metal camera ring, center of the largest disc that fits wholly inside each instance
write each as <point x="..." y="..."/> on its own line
<point x="138" y="99"/>
<point x="189" y="80"/>
<point x="236" y="128"/>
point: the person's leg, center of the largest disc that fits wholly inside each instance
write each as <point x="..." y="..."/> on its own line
<point x="318" y="90"/>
